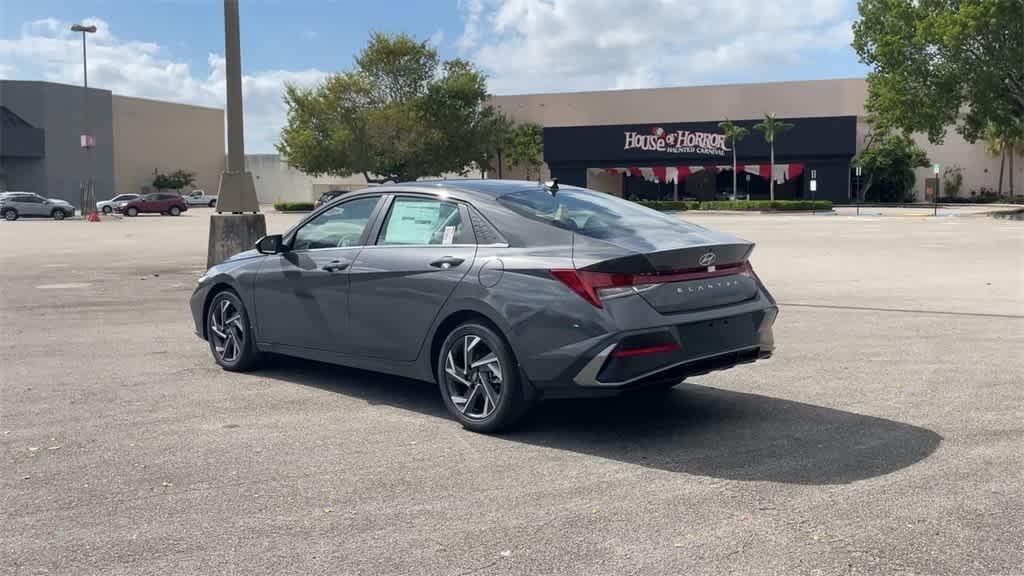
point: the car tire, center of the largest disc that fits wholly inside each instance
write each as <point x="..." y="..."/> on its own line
<point x="58" y="214"/>
<point x="467" y="390"/>
<point x="132" y="211"/>
<point x="10" y="214"/>
<point x="213" y="203"/>
<point x="107" y="209"/>
<point x="229" y="333"/>
<point x="174" y="211"/>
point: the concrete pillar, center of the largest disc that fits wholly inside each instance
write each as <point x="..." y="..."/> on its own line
<point x="237" y="225"/>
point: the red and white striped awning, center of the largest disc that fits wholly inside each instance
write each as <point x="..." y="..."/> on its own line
<point x="782" y="172"/>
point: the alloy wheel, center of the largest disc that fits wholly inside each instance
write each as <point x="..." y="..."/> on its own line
<point x="107" y="209"/>
<point x="473" y="377"/>
<point x="10" y="215"/>
<point x="227" y="331"/>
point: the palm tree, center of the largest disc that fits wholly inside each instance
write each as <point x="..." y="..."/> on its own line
<point x="1006" y="145"/>
<point x="772" y="127"/>
<point x="734" y="133"/>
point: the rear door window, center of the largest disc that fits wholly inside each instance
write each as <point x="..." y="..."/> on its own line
<point x="416" y="221"/>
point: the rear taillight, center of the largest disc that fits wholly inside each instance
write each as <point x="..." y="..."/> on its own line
<point x="597" y="286"/>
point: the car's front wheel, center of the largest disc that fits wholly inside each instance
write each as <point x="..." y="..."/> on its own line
<point x="479" y="379"/>
<point x="107" y="209"/>
<point x="174" y="211"/>
<point x="213" y="203"/>
<point x="58" y="214"/>
<point x="228" y="333"/>
<point x="132" y="211"/>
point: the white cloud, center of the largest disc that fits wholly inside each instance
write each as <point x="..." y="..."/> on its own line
<point x="558" y="45"/>
<point x="48" y="50"/>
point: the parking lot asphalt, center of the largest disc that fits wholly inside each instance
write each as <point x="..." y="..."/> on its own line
<point x="885" y="436"/>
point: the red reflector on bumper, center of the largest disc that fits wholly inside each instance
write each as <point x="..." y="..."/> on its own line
<point x="626" y="352"/>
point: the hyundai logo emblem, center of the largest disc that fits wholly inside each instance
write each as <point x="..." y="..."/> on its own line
<point x="707" y="259"/>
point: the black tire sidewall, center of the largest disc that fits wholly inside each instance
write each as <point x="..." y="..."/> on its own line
<point x="8" y="212"/>
<point x="174" y="211"/>
<point x="58" y="215"/>
<point x="510" y="405"/>
<point x="107" y="209"/>
<point x="249" y="357"/>
<point x="132" y="211"/>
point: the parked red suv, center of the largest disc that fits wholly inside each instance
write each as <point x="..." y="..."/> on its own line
<point x="156" y="203"/>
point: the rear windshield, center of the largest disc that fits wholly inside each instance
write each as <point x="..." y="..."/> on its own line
<point x="593" y="214"/>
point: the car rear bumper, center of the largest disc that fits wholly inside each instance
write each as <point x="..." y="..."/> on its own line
<point x="692" y="344"/>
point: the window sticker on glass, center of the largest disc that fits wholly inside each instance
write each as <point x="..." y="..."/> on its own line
<point x="449" y="235"/>
<point x="412" y="222"/>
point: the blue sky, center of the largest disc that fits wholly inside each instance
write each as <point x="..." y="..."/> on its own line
<point x="172" y="49"/>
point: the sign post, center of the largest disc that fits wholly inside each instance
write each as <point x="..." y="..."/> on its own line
<point x="938" y="190"/>
<point x="857" y="192"/>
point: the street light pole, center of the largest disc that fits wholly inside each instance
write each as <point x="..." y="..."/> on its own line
<point x="88" y="195"/>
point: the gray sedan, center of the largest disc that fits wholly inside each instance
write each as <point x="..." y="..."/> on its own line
<point x="501" y="292"/>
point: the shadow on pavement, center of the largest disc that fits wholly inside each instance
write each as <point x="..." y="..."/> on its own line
<point x="691" y="429"/>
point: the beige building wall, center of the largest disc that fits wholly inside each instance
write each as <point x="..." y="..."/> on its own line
<point x="153" y="136"/>
<point x="800" y="99"/>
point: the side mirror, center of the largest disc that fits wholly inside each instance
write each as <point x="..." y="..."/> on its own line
<point x="273" y="244"/>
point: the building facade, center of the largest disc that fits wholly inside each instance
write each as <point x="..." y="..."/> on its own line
<point x="133" y="139"/>
<point x="665" y="143"/>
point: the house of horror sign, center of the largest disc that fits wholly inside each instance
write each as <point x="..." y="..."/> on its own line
<point x="677" y="142"/>
<point x="829" y="138"/>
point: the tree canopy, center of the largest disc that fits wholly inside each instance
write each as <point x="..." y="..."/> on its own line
<point x="401" y="113"/>
<point x="175" y="180"/>
<point x="524" y="147"/>
<point x="942" y="63"/>
<point x="889" y="166"/>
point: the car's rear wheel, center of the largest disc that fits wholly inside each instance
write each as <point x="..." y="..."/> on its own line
<point x="174" y="211"/>
<point x="58" y="214"/>
<point x="107" y="209"/>
<point x="228" y="333"/>
<point x="213" y="203"/>
<point x="479" y="379"/>
<point x="132" y="211"/>
<point x="10" y="214"/>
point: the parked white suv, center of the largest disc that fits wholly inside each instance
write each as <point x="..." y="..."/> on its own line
<point x="200" y="198"/>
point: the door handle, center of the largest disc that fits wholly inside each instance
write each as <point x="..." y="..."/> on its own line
<point x="335" y="265"/>
<point x="447" y="262"/>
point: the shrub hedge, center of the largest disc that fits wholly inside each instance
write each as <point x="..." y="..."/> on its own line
<point x="741" y="205"/>
<point x="293" y="206"/>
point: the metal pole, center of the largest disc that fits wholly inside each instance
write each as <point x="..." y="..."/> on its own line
<point x="89" y="192"/>
<point x="233" y="57"/>
<point x="938" y="190"/>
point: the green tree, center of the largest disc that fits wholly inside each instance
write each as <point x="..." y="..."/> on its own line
<point x="999" y="141"/>
<point x="175" y="180"/>
<point x="526" y="148"/>
<point x="734" y="133"/>
<point x="401" y="113"/>
<point x="771" y="127"/>
<point x="941" y="63"/>
<point x="889" y="165"/>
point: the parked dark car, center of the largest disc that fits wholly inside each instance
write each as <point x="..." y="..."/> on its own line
<point x="155" y="203"/>
<point x="327" y="197"/>
<point x="14" y="205"/>
<point x="502" y="292"/>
